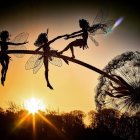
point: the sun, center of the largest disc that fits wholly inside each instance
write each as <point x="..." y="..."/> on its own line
<point x="33" y="105"/>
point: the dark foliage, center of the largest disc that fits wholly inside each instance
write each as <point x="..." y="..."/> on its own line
<point x="106" y="124"/>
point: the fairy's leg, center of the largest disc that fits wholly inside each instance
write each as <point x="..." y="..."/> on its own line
<point x="69" y="46"/>
<point x="66" y="48"/>
<point x="77" y="42"/>
<point x="2" y="72"/>
<point x="6" y="67"/>
<point x="47" y="73"/>
<point x="72" y="51"/>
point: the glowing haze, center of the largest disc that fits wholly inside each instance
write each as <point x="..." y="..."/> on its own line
<point x="74" y="86"/>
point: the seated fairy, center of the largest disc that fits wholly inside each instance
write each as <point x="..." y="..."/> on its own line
<point x="82" y="43"/>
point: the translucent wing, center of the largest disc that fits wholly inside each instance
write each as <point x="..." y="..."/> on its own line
<point x="94" y="41"/>
<point x="97" y="32"/>
<point x="104" y="30"/>
<point x="100" y="16"/>
<point x="20" y="38"/>
<point x="105" y="14"/>
<point x="31" y="63"/>
<point x="34" y="62"/>
<point x="55" y="61"/>
<point x="38" y="65"/>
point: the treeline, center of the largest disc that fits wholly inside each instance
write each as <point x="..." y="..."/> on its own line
<point x="18" y="124"/>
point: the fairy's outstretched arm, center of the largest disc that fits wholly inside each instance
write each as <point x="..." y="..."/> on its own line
<point x="77" y="32"/>
<point x="51" y="41"/>
<point x="12" y="43"/>
<point x="72" y="36"/>
<point x="38" y="49"/>
<point x="58" y="37"/>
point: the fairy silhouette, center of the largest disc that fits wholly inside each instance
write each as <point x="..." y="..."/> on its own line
<point x="82" y="43"/>
<point x="43" y="43"/>
<point x="4" y="58"/>
<point x="99" y="26"/>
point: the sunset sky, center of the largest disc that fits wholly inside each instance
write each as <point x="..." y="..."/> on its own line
<point x="74" y="86"/>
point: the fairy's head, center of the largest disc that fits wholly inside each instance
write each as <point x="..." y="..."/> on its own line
<point x="84" y="24"/>
<point x="4" y="35"/>
<point x="42" y="39"/>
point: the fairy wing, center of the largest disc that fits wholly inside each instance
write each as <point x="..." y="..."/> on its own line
<point x="20" y="38"/>
<point x="105" y="30"/>
<point x="93" y="40"/>
<point x="53" y="59"/>
<point x="100" y="16"/>
<point x="34" y="62"/>
<point x="38" y="65"/>
<point x="30" y="64"/>
<point x="98" y="20"/>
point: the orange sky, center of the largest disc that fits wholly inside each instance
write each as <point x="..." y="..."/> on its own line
<point x="74" y="86"/>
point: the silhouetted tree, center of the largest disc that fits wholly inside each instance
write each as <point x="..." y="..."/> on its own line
<point x="106" y="124"/>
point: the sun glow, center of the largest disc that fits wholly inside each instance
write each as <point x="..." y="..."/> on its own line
<point x="33" y="105"/>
